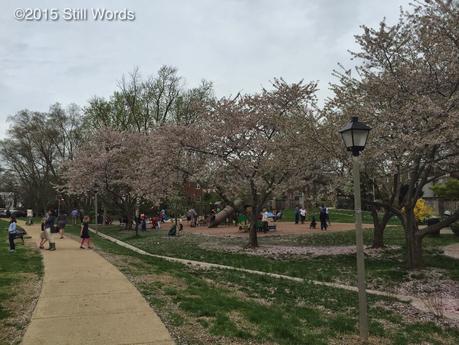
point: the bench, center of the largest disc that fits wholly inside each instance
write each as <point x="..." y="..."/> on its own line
<point x="20" y="233"/>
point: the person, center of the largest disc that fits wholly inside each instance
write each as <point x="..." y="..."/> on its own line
<point x="84" y="233"/>
<point x="43" y="234"/>
<point x="137" y="223"/>
<point x="143" y="222"/>
<point x="49" y="224"/>
<point x="264" y="221"/>
<point x="193" y="217"/>
<point x="277" y="216"/>
<point x="297" y="214"/>
<point x="12" y="234"/>
<point x="162" y="215"/>
<point x="327" y="216"/>
<point x="61" y="222"/>
<point x="212" y="216"/>
<point x="323" y="218"/>
<point x="313" y="223"/>
<point x="75" y="214"/>
<point x="302" y="214"/>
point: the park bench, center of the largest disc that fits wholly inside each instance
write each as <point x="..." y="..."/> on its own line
<point x="20" y="233"/>
<point x="259" y="227"/>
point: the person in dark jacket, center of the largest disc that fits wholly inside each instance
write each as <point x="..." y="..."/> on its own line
<point x="323" y="218"/>
<point x="49" y="225"/>
<point x="297" y="215"/>
<point x="84" y="233"/>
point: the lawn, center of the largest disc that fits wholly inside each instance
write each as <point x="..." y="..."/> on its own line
<point x="20" y="281"/>
<point x="229" y="307"/>
<point x="385" y="269"/>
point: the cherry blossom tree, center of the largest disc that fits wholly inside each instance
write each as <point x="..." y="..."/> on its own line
<point x="122" y="166"/>
<point x="253" y="146"/>
<point x="407" y="89"/>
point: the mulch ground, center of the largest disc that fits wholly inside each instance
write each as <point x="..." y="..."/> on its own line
<point x="282" y="228"/>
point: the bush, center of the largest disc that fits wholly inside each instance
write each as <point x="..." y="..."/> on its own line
<point x="422" y="210"/>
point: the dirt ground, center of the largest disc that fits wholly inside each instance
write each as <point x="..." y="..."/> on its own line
<point x="282" y="228"/>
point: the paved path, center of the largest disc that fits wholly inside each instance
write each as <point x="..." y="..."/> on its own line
<point x="452" y="250"/>
<point x="86" y="300"/>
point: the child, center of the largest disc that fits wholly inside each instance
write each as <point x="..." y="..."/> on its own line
<point x="84" y="233"/>
<point x="43" y="238"/>
<point x="12" y="234"/>
<point x="313" y="223"/>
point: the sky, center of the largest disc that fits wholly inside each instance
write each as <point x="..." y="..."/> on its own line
<point x="239" y="45"/>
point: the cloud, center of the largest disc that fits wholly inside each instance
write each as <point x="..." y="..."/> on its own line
<point x="237" y="44"/>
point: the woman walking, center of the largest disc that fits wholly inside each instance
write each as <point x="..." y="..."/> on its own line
<point x="84" y="233"/>
<point x="12" y="234"/>
<point x="61" y="222"/>
<point x="43" y="234"/>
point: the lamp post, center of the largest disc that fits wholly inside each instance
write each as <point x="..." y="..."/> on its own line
<point x="59" y="199"/>
<point x="355" y="135"/>
<point x="95" y="209"/>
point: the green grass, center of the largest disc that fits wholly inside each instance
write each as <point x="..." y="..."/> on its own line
<point x="220" y="306"/>
<point x="16" y="271"/>
<point x="386" y="271"/>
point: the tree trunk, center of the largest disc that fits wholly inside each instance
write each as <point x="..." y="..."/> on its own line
<point x="253" y="240"/>
<point x="379" y="227"/>
<point x="413" y="241"/>
<point x="378" y="237"/>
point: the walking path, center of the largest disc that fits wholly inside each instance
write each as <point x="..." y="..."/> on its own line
<point x="86" y="300"/>
<point x="414" y="301"/>
<point x="452" y="250"/>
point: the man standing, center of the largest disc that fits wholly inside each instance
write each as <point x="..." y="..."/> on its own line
<point x="297" y="214"/>
<point x="323" y="218"/>
<point x="75" y="215"/>
<point x="49" y="224"/>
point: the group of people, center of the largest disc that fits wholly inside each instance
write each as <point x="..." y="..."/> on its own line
<point x="48" y="224"/>
<point x="324" y="217"/>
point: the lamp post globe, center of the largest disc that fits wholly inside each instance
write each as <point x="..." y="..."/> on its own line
<point x="355" y="135"/>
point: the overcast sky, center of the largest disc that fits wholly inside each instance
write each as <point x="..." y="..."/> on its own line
<point x="240" y="45"/>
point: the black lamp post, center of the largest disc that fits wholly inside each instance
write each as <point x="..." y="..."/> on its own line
<point x="355" y="135"/>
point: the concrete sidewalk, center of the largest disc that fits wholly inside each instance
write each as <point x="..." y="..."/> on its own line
<point x="86" y="300"/>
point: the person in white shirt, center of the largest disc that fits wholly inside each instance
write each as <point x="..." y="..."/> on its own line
<point x="302" y="214"/>
<point x="12" y="234"/>
<point x="264" y="220"/>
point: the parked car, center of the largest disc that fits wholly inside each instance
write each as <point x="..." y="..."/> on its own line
<point x="3" y="213"/>
<point x="18" y="213"/>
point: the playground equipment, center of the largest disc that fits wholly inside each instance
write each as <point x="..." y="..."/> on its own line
<point x="225" y="213"/>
